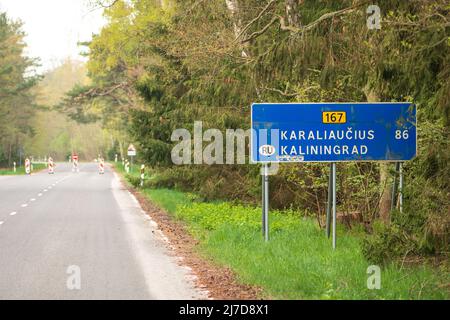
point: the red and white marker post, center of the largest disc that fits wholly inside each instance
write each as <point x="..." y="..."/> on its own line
<point x="27" y="166"/>
<point x="51" y="165"/>
<point x="101" y="166"/>
<point x="75" y="163"/>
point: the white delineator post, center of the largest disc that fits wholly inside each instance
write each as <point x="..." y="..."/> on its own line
<point x="14" y="168"/>
<point x="142" y="175"/>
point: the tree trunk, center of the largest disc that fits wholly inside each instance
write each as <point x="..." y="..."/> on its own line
<point x="121" y="149"/>
<point x="293" y="13"/>
<point x="233" y="7"/>
<point x="385" y="190"/>
<point x="9" y="154"/>
<point x="385" y="199"/>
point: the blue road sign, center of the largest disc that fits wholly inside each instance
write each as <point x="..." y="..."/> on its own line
<point x="332" y="132"/>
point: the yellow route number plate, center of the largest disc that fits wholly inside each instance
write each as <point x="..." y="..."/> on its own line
<point x="334" y="117"/>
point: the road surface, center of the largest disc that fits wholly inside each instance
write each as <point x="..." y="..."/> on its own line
<point x="82" y="236"/>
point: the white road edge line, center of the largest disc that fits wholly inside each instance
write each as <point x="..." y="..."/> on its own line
<point x="1" y="222"/>
<point x="131" y="212"/>
<point x="24" y="205"/>
<point x="32" y="199"/>
<point x="13" y="213"/>
<point x="40" y="195"/>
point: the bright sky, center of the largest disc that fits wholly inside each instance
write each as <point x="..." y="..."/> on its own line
<point x="54" y="27"/>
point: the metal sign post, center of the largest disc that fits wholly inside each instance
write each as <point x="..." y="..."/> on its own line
<point x="397" y="188"/>
<point x="131" y="154"/>
<point x="263" y="202"/>
<point x="334" y="204"/>
<point x="266" y="202"/>
<point x="329" y="202"/>
<point x="400" y="187"/>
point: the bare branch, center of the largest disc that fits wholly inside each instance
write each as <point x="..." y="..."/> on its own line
<point x="290" y="95"/>
<point x="256" y="34"/>
<point x="269" y="4"/>
<point x="106" y="6"/>
<point x="326" y="16"/>
<point x="294" y="29"/>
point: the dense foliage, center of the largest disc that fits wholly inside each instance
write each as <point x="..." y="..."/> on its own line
<point x="161" y="65"/>
<point x="16" y="98"/>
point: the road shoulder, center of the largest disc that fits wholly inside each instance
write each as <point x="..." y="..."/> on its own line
<point x="220" y="282"/>
<point x="164" y="276"/>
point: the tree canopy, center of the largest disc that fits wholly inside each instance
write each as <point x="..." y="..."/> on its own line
<point x="16" y="98"/>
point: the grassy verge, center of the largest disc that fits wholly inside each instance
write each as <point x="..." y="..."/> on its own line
<point x="298" y="262"/>
<point x="20" y="170"/>
<point x="134" y="170"/>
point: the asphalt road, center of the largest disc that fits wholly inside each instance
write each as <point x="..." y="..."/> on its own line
<point x="83" y="236"/>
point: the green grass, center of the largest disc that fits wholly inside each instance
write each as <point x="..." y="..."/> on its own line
<point x="297" y="262"/>
<point x="134" y="170"/>
<point x="169" y="200"/>
<point x="20" y="170"/>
